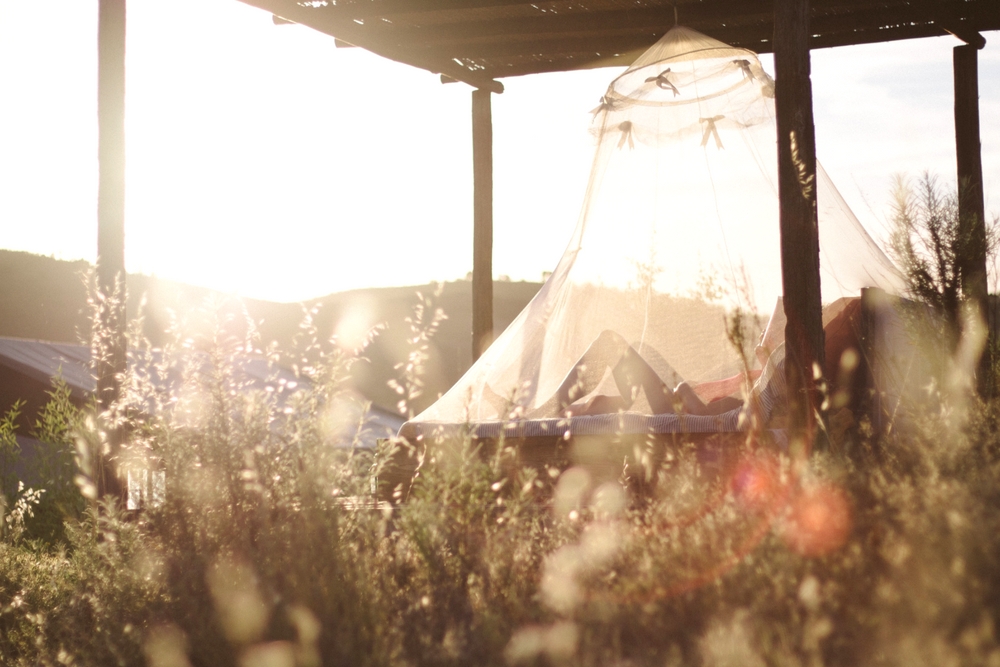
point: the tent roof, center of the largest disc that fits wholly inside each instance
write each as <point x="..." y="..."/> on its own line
<point x="477" y="41"/>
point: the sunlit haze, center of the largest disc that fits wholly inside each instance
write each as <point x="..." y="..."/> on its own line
<point x="265" y="161"/>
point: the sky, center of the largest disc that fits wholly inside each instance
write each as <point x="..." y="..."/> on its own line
<point x="264" y="161"/>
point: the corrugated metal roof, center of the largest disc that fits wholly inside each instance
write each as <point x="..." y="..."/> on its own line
<point x="43" y="361"/>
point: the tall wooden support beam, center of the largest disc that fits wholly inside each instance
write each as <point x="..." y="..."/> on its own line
<point x="798" y="215"/>
<point x="482" y="256"/>
<point x="971" y="208"/>
<point x="111" y="220"/>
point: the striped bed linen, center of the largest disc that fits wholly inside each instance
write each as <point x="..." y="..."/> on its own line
<point x="768" y="392"/>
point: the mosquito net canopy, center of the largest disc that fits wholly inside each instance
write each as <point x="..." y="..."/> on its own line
<point x="678" y="238"/>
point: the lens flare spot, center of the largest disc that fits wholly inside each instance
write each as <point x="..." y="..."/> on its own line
<point x="819" y="521"/>
<point x="558" y="642"/>
<point x="354" y="326"/>
<point x="757" y="483"/>
<point x="610" y="500"/>
<point x="270" y="654"/>
<point x="166" y="646"/>
<point x="570" y="491"/>
<point x="241" y="609"/>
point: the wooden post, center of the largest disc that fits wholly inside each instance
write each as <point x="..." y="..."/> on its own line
<point x="971" y="208"/>
<point x="798" y="217"/>
<point x="482" y="255"/>
<point x="110" y="224"/>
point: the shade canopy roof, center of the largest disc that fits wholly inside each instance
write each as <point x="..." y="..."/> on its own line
<point x="478" y="41"/>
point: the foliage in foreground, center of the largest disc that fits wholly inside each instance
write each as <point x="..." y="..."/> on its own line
<point x="865" y="555"/>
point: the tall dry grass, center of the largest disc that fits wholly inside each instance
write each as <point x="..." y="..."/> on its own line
<point x="876" y="552"/>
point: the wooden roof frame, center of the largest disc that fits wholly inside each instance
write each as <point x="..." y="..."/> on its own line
<point x="479" y="41"/>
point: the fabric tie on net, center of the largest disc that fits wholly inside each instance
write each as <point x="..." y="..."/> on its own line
<point x="607" y="104"/>
<point x="711" y="130"/>
<point x="744" y="65"/>
<point x="626" y="128"/>
<point x="663" y="82"/>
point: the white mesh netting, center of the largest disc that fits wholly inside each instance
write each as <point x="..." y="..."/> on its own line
<point x="679" y="228"/>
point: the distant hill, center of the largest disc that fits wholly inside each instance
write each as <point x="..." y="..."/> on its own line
<point x="46" y="299"/>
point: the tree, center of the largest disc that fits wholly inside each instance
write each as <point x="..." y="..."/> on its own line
<point x="928" y="242"/>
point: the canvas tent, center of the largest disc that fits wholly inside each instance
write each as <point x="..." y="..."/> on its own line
<point x="678" y="234"/>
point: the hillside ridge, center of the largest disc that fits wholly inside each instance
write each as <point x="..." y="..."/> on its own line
<point x="45" y="298"/>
